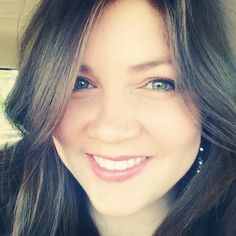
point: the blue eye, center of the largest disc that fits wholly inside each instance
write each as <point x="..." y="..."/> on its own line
<point x="82" y="83"/>
<point x="161" y="84"/>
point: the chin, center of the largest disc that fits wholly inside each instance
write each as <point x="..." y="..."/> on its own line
<point x="117" y="211"/>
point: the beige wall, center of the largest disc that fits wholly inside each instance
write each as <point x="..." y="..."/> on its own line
<point x="13" y="14"/>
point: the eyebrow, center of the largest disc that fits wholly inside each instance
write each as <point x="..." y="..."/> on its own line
<point x="149" y="65"/>
<point x="85" y="69"/>
<point x="134" y="68"/>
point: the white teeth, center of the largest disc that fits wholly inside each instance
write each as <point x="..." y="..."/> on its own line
<point x="109" y="164"/>
<point x="121" y="165"/>
<point x="138" y="160"/>
<point x="130" y="163"/>
<point x="118" y="165"/>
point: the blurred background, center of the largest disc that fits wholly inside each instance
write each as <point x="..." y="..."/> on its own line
<point x="14" y="15"/>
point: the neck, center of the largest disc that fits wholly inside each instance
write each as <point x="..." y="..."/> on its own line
<point x="142" y="223"/>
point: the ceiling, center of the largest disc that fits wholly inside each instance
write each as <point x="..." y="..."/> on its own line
<point x="15" y="13"/>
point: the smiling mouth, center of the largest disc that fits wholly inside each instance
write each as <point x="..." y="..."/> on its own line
<point x="118" y="165"/>
<point x="117" y="168"/>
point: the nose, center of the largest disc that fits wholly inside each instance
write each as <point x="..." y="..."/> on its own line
<point x="115" y="120"/>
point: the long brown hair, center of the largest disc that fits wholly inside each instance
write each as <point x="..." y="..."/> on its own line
<point x="37" y="201"/>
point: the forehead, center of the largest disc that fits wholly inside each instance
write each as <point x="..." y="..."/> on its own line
<point x="127" y="33"/>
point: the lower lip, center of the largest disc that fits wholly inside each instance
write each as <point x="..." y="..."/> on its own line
<point x="117" y="175"/>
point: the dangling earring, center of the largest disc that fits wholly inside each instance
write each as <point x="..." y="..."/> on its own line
<point x="200" y="159"/>
<point x="195" y="169"/>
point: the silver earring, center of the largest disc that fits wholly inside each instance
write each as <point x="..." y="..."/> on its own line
<point x="200" y="159"/>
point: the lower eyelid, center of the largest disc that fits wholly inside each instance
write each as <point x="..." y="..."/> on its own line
<point x="168" y="82"/>
<point x="91" y="86"/>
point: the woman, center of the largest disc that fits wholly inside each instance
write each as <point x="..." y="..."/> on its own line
<point x="127" y="113"/>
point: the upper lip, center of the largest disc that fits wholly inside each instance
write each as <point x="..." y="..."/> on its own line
<point x="117" y="158"/>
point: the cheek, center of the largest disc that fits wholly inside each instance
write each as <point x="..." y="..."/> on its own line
<point x="167" y="122"/>
<point x="73" y="123"/>
<point x="171" y="124"/>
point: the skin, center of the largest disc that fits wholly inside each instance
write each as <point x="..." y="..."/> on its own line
<point x="119" y="114"/>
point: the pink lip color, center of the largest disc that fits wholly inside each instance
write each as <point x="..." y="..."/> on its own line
<point x="116" y="175"/>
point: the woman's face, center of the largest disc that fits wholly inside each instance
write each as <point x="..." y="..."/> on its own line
<point x="125" y="111"/>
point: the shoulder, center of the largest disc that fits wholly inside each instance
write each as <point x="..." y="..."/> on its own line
<point x="11" y="170"/>
<point x="227" y="211"/>
<point x="222" y="218"/>
<point x="219" y="220"/>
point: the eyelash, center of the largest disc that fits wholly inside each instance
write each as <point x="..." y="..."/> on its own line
<point x="84" y="80"/>
<point x="168" y="83"/>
